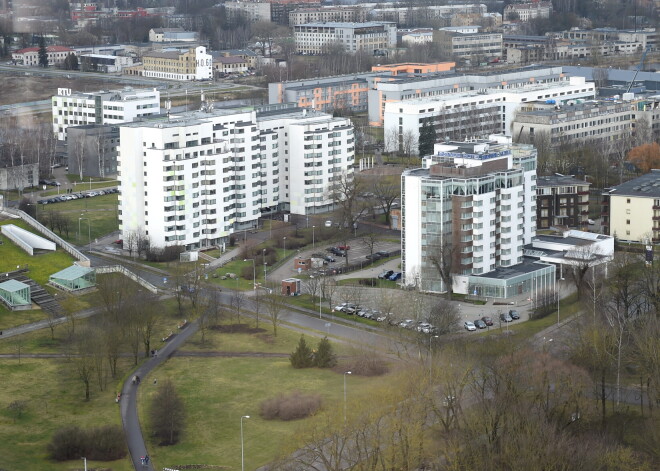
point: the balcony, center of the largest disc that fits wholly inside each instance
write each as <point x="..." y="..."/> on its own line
<point x="582" y="193"/>
<point x="656" y="218"/>
<point x="582" y="203"/>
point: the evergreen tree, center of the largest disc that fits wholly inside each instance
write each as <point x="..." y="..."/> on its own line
<point x="303" y="357"/>
<point x="427" y="138"/>
<point x="71" y="62"/>
<point x="43" y="53"/>
<point x="325" y="356"/>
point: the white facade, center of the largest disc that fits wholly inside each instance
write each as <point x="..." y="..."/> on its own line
<point x="527" y="11"/>
<point x="477" y="198"/>
<point x="405" y="118"/>
<point x="417" y="38"/>
<point x="104" y="107"/>
<point x="195" y="179"/>
<point x="312" y="38"/>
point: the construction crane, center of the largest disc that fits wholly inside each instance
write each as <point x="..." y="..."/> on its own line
<point x="641" y="64"/>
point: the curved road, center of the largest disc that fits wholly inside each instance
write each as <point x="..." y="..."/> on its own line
<point x="128" y="403"/>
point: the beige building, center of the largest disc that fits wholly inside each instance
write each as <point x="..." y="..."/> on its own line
<point x="253" y="11"/>
<point x="469" y="45"/>
<point x="631" y="211"/>
<point x="30" y="55"/>
<point x="527" y="11"/>
<point x="314" y="15"/>
<point x="313" y="38"/>
<point x="190" y="64"/>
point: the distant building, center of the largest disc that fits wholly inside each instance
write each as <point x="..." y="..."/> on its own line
<point x="631" y="211"/>
<point x="469" y="45"/>
<point x="561" y="201"/>
<point x="229" y="65"/>
<point x="525" y="12"/>
<point x="412" y="39"/>
<point x="350" y="14"/>
<point x="313" y="38"/>
<point x="104" y="63"/>
<point x="103" y="107"/>
<point x="252" y="11"/>
<point x="251" y="57"/>
<point x="19" y="177"/>
<point x="94" y="146"/>
<point x="169" y="35"/>
<point x="190" y="64"/>
<point x="30" y="56"/>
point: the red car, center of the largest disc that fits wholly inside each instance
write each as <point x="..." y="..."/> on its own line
<point x="344" y="247"/>
<point x="487" y="320"/>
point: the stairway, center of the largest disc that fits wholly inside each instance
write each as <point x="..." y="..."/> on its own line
<point x="39" y="296"/>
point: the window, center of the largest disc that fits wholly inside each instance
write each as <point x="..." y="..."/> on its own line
<point x="628" y="221"/>
<point x="628" y="200"/>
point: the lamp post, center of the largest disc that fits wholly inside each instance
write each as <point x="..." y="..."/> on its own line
<point x="313" y="238"/>
<point x="242" y="447"/>
<point x="89" y="231"/>
<point x="284" y="242"/>
<point x="346" y="373"/>
<point x="84" y="462"/>
<point x="254" y="273"/>
<point x="431" y="337"/>
<point x="264" y="257"/>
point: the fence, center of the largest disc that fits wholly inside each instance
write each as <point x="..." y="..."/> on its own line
<point x="124" y="271"/>
<point x="83" y="260"/>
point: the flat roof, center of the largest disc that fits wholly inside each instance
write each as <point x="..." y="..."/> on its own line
<point x="12" y="286"/>
<point x="339" y="24"/>
<point x="558" y="180"/>
<point x="646" y="186"/>
<point x="505" y="273"/>
<point x="72" y="273"/>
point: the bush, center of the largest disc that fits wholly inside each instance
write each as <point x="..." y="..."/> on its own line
<point x="163" y="254"/>
<point x="325" y="356"/>
<point x="104" y="443"/>
<point x="365" y="364"/>
<point x="303" y="356"/>
<point x="368" y="281"/>
<point x="167" y="414"/>
<point x="292" y="406"/>
<point x="247" y="272"/>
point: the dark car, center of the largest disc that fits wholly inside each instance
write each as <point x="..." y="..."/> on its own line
<point x="505" y="317"/>
<point x="480" y="324"/>
<point x="329" y="259"/>
<point x="395" y="276"/>
<point x="372" y="257"/>
<point x="382" y="254"/>
<point x="385" y="275"/>
<point x="487" y="320"/>
<point x="514" y="314"/>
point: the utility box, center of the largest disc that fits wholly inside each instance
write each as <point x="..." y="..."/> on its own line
<point x="291" y="287"/>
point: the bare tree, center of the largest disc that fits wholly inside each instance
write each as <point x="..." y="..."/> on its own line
<point x="237" y="302"/>
<point x="386" y="189"/>
<point x="82" y="357"/>
<point x="77" y="146"/>
<point x="274" y="305"/>
<point x="328" y="289"/>
<point x="442" y="253"/>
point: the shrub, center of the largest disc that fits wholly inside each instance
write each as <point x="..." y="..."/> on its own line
<point x="302" y="357"/>
<point x="104" y="443"/>
<point x="365" y="364"/>
<point x="247" y="272"/>
<point x="325" y="356"/>
<point x="368" y="282"/>
<point x="292" y="406"/>
<point x="163" y="254"/>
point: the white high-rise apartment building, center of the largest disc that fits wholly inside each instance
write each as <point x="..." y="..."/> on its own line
<point x="313" y="38"/>
<point x="472" y="202"/>
<point x="194" y="179"/>
<point x="104" y="107"/>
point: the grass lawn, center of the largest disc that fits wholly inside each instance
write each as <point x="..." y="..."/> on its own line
<point x="99" y="217"/>
<point x="237" y="266"/>
<point x="41" y="266"/>
<point x="54" y="398"/>
<point x="218" y="391"/>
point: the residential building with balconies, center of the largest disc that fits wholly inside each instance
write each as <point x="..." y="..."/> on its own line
<point x="472" y="208"/>
<point x="561" y="201"/>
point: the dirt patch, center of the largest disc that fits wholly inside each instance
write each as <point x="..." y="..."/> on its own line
<point x="237" y="329"/>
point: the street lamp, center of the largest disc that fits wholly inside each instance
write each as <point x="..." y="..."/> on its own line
<point x="346" y="373"/>
<point x="431" y="337"/>
<point x="313" y="239"/>
<point x="89" y="231"/>
<point x="85" y="462"/>
<point x="254" y="273"/>
<point x="264" y="257"/>
<point x="242" y="448"/>
<point x="284" y="239"/>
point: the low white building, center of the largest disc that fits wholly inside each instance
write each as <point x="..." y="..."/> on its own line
<point x="30" y="56"/>
<point x="169" y="35"/>
<point x="71" y="108"/>
<point x="104" y="63"/>
<point x="412" y="39"/>
<point x="473" y="114"/>
<point x="313" y="38"/>
<point x="525" y="12"/>
<point x="196" y="178"/>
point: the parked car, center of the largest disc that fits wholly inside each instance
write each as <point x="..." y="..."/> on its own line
<point x="382" y="253"/>
<point x="487" y="320"/>
<point x="372" y="256"/>
<point x="395" y="276"/>
<point x="469" y="326"/>
<point x="386" y="275"/>
<point x="340" y="307"/>
<point x="344" y="247"/>
<point x="406" y="324"/>
<point x="329" y="259"/>
<point x="514" y="314"/>
<point x="505" y="317"/>
<point x="328" y="223"/>
<point x="352" y="309"/>
<point x="480" y="324"/>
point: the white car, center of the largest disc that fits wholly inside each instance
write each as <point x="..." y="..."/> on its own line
<point x="328" y="223"/>
<point x="469" y="326"/>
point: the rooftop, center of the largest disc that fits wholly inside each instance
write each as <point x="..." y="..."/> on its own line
<point x="339" y="24"/>
<point x="646" y="186"/>
<point x="559" y="180"/>
<point x="505" y="273"/>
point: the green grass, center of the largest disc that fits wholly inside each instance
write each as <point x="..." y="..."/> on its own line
<point x="100" y="210"/>
<point x="236" y="267"/>
<point x="219" y="391"/>
<point x="54" y="398"/>
<point x="41" y="266"/>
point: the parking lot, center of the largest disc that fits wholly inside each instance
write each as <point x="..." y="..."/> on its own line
<point x="78" y="195"/>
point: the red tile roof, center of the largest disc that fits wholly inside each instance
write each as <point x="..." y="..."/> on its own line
<point x="48" y="49"/>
